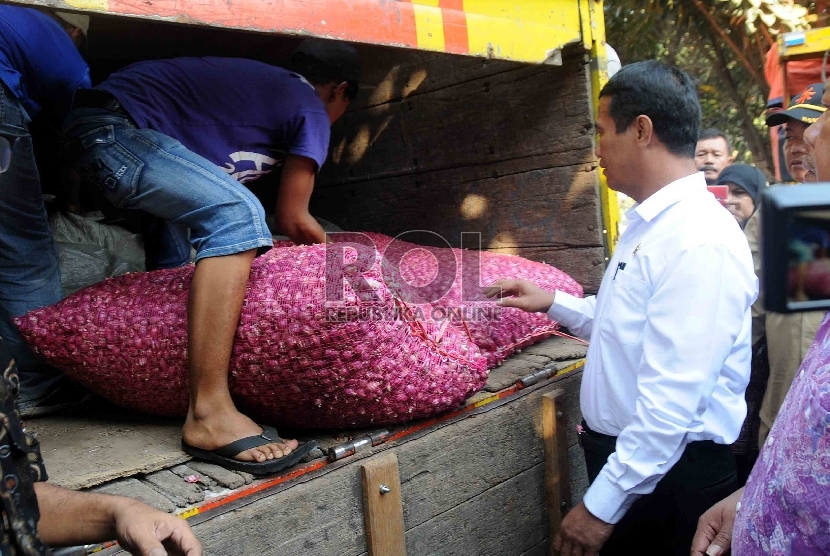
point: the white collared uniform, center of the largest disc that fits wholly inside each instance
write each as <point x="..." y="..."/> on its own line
<point x="669" y="354"/>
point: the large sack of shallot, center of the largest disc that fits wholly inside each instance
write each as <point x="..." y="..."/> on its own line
<point x="317" y="345"/>
<point x="451" y="280"/>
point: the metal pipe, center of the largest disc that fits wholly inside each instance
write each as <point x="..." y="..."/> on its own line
<point x="336" y="453"/>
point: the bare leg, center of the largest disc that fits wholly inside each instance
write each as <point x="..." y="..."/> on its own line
<point x="216" y="295"/>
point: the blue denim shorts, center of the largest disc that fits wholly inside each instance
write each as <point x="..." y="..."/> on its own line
<point x="146" y="170"/>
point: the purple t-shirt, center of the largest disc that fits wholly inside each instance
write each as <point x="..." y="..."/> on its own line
<point x="242" y="115"/>
<point x="785" y="509"/>
<point x="38" y="61"/>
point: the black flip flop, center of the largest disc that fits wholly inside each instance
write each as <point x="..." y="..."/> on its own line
<point x="224" y="456"/>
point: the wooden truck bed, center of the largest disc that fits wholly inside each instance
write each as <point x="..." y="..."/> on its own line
<point x="472" y="481"/>
<point x="473" y="116"/>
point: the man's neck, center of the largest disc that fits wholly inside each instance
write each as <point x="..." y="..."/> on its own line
<point x="324" y="93"/>
<point x="663" y="171"/>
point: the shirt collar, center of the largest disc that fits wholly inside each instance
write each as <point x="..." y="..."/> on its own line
<point x="668" y="195"/>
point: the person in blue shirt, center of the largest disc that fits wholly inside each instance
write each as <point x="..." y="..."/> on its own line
<point x="178" y="139"/>
<point x="40" y="68"/>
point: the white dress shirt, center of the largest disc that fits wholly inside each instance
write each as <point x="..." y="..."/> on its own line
<point x="669" y="354"/>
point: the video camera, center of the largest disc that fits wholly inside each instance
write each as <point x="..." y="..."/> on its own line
<point x="795" y="248"/>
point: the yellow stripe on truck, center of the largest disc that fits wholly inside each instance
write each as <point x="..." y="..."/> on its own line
<point x="98" y="5"/>
<point x="429" y="24"/>
<point x="527" y="30"/>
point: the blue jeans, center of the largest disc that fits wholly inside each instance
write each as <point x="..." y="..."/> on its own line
<point x="142" y="169"/>
<point x="29" y="273"/>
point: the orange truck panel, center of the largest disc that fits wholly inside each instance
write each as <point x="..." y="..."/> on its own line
<point x="528" y="31"/>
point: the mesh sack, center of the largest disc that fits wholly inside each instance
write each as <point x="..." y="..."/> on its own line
<point x="297" y="360"/>
<point x="451" y="281"/>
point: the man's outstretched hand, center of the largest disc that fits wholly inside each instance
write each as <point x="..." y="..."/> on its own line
<point x="522" y="294"/>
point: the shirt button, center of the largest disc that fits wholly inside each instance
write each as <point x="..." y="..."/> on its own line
<point x="770" y="440"/>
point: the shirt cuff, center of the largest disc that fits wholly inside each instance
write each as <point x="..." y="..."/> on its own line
<point x="565" y="308"/>
<point x="607" y="501"/>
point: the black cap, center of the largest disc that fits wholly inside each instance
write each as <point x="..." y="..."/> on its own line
<point x="747" y="177"/>
<point x="335" y="60"/>
<point x="805" y="107"/>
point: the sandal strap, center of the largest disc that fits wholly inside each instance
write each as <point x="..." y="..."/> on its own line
<point x="269" y="435"/>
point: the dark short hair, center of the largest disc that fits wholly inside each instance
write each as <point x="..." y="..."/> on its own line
<point x="352" y="87"/>
<point x="666" y="94"/>
<point x="715" y="133"/>
<point x="323" y="61"/>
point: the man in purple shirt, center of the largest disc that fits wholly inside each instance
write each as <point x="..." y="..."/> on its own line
<point x="176" y="139"/>
<point x="783" y="509"/>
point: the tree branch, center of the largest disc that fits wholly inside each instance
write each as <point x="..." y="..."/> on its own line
<point x="767" y="35"/>
<point x="762" y="54"/>
<point x="753" y="71"/>
<point x="757" y="145"/>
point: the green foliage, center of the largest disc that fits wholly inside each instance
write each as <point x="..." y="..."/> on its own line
<point x="720" y="43"/>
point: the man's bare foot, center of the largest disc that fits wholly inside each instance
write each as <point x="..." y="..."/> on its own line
<point x="219" y="429"/>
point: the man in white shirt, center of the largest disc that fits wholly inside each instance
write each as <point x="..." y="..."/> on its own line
<point x="669" y="354"/>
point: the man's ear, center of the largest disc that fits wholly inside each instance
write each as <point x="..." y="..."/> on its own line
<point x="644" y="129"/>
<point x="338" y="92"/>
<point x="75" y="34"/>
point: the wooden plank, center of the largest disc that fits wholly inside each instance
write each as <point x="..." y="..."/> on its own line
<point x="488" y="449"/>
<point x="532" y="359"/>
<point x="398" y="74"/>
<point x="514" y="368"/>
<point x="557" y="480"/>
<point x="322" y="516"/>
<point x="507" y="519"/>
<point x="585" y="265"/>
<point x="186" y="472"/>
<point x="181" y="493"/>
<point x="382" y="506"/>
<point x="558" y="349"/>
<point x="529" y="111"/>
<point x="511" y="212"/>
<point x="225" y="477"/>
<point x="102" y="444"/>
<point x="135" y="489"/>
<point x="520" y="169"/>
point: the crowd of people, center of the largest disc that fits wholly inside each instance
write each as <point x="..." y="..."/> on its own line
<point x="705" y="428"/>
<point x="693" y="396"/>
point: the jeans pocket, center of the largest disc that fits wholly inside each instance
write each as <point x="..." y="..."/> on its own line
<point x="105" y="163"/>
